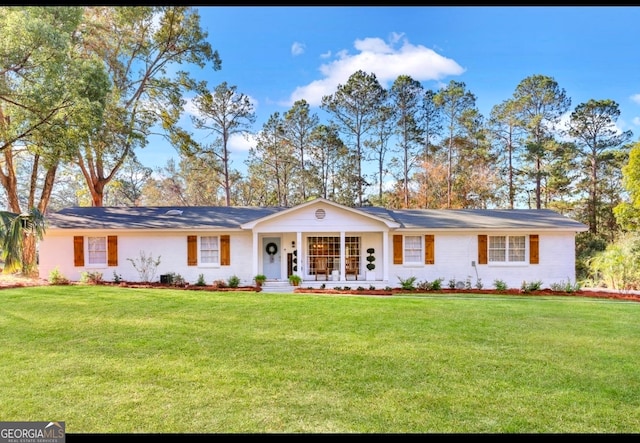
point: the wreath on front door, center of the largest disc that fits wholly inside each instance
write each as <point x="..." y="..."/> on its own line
<point x="272" y="249"/>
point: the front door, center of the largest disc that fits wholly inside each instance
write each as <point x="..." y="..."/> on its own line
<point x="271" y="262"/>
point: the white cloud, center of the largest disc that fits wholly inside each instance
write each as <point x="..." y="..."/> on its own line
<point x="636" y="98"/>
<point x="297" y="48"/>
<point x="384" y="59"/>
<point x="241" y="142"/>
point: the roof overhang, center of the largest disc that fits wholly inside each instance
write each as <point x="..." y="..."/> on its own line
<point x="316" y="202"/>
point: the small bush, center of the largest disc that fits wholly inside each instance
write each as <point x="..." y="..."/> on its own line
<point x="116" y="277"/>
<point x="565" y="286"/>
<point x="56" y="278"/>
<point x="452" y="283"/>
<point x="530" y="286"/>
<point x="177" y="279"/>
<point x="201" y="281"/>
<point x="423" y="285"/>
<point x="146" y="266"/>
<point x="234" y="281"/>
<point x="479" y="284"/>
<point x="407" y="283"/>
<point x="219" y="284"/>
<point x="467" y="283"/>
<point x="92" y="277"/>
<point x="500" y="285"/>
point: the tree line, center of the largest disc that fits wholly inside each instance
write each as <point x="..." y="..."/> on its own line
<point x="83" y="88"/>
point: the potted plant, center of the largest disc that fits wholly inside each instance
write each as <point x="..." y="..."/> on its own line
<point x="260" y="279"/>
<point x="370" y="275"/>
<point x="295" y="279"/>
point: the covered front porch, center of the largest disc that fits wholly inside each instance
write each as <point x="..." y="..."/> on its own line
<point x="324" y="244"/>
<point x="329" y="259"/>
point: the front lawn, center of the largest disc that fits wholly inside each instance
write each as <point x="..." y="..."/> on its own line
<point x="106" y="359"/>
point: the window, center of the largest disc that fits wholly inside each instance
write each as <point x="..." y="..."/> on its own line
<point x="507" y="248"/>
<point x="209" y="250"/>
<point x="323" y="247"/>
<point x="330" y="247"/>
<point x="97" y="247"/>
<point x="413" y="249"/>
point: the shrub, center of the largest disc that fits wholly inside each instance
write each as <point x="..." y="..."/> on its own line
<point x="93" y="277"/>
<point x="146" y="266"/>
<point x="479" y="284"/>
<point x="500" y="285"/>
<point x="467" y="283"/>
<point x="234" y="281"/>
<point x="219" y="284"/>
<point x="116" y="277"/>
<point x="370" y="258"/>
<point x="430" y="286"/>
<point x="201" y="281"/>
<point x="407" y="283"/>
<point x="565" y="286"/>
<point x="175" y="279"/>
<point x="423" y="285"/>
<point x="530" y="286"/>
<point x="452" y="283"/>
<point x="56" y="278"/>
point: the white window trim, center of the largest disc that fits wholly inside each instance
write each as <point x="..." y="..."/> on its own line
<point x="201" y="263"/>
<point x="509" y="264"/>
<point x="420" y="261"/>
<point x="97" y="265"/>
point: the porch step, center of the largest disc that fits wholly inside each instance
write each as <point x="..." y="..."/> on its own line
<point x="276" y="286"/>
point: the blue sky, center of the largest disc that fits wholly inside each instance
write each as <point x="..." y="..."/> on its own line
<point x="277" y="54"/>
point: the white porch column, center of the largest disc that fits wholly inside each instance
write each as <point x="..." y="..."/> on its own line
<point x="343" y="261"/>
<point x="385" y="255"/>
<point x="254" y="253"/>
<point x="300" y="253"/>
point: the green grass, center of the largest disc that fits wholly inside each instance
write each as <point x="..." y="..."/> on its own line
<point x="119" y="360"/>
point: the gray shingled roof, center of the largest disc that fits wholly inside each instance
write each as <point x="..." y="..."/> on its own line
<point x="484" y="219"/>
<point x="222" y="217"/>
<point x="156" y="217"/>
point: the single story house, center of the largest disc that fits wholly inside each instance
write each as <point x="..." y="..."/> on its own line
<point x="320" y="240"/>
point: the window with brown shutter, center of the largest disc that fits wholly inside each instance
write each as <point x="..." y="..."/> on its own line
<point x="534" y="249"/>
<point x="429" y="250"/>
<point x="225" y="250"/>
<point x="112" y="250"/>
<point x="78" y="250"/>
<point x="397" y="249"/>
<point x="192" y="250"/>
<point x="482" y="249"/>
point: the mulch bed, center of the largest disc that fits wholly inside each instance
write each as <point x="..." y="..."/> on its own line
<point x="7" y="282"/>
<point x="615" y="295"/>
